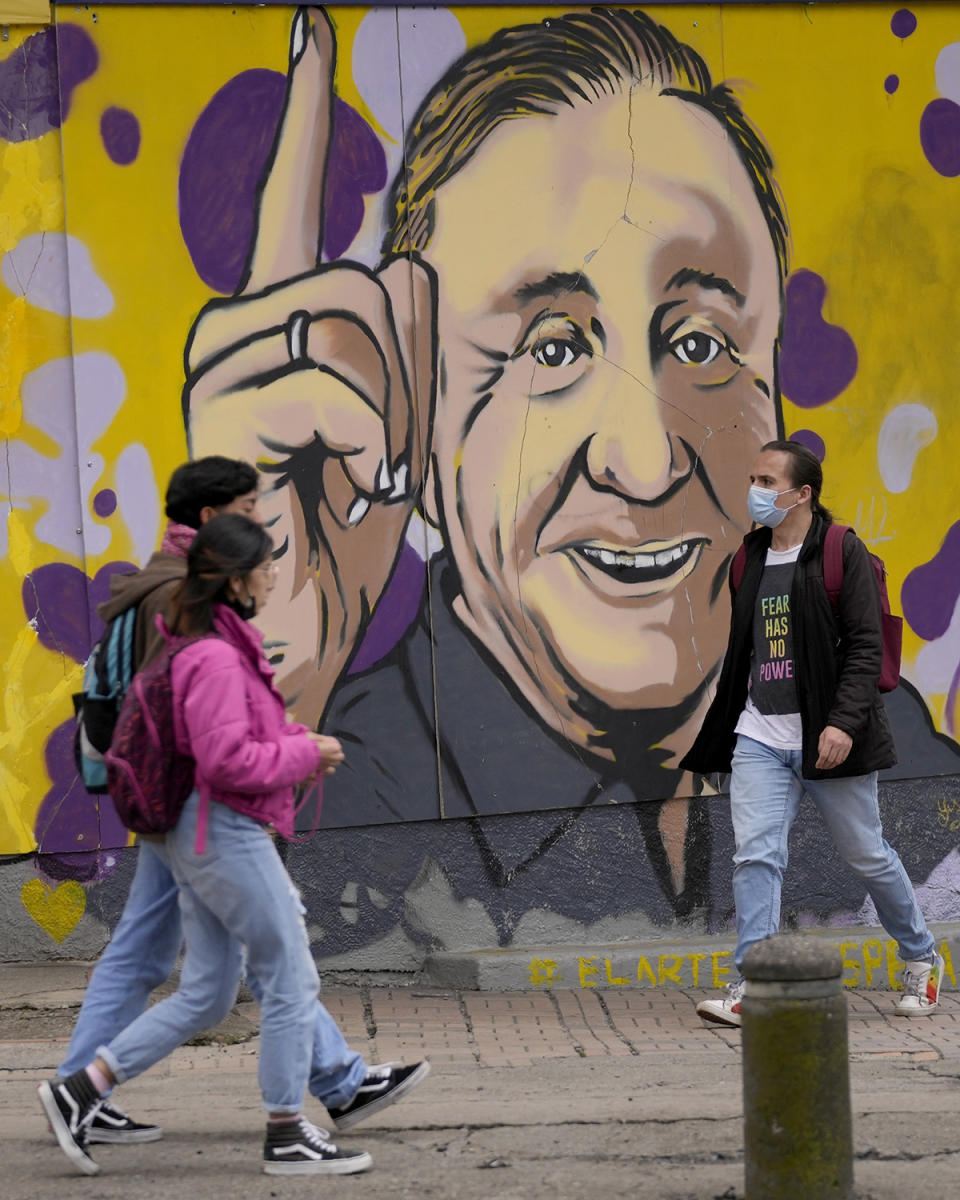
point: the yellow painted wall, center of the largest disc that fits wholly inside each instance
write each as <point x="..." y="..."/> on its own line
<point x="867" y="211"/>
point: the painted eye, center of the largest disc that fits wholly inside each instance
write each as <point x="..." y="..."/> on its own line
<point x="553" y="352"/>
<point x="696" y="349"/>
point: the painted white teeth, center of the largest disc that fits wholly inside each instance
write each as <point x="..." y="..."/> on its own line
<point x="662" y="558"/>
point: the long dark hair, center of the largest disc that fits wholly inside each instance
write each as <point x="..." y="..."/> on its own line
<point x="227" y="545"/>
<point x="804" y="470"/>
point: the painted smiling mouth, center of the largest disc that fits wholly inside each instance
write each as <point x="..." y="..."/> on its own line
<point x="651" y="567"/>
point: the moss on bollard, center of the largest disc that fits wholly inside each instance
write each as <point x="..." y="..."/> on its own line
<point x="798" y="1142"/>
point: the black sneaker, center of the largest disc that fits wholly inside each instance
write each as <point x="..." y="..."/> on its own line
<point x="112" y="1126"/>
<point x="299" y="1148"/>
<point x="381" y="1087"/>
<point x="70" y="1105"/>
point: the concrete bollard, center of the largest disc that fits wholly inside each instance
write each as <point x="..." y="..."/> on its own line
<point x="797" y="1134"/>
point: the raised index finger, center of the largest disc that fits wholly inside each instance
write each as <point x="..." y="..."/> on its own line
<point x="288" y="236"/>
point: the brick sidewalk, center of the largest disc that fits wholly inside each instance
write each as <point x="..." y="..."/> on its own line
<point x="515" y="1029"/>
<point x="506" y="1029"/>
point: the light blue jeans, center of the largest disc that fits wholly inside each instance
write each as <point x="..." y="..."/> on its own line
<point x="140" y="955"/>
<point x="766" y="787"/>
<point x="143" y="950"/>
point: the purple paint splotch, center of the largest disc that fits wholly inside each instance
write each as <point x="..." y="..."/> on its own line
<point x="105" y="503"/>
<point x="221" y="166"/>
<point x="940" y="136"/>
<point x="37" y="80"/>
<point x="903" y="23"/>
<point x="78" y="61"/>
<point x="120" y="133"/>
<point x="357" y="166"/>
<point x="70" y="822"/>
<point x="395" y="612"/>
<point x="224" y="161"/>
<point x="891" y="83"/>
<point x="930" y="592"/>
<point x="818" y="360"/>
<point x="813" y="442"/>
<point x="61" y="602"/>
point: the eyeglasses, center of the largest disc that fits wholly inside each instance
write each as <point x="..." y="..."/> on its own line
<point x="268" y="568"/>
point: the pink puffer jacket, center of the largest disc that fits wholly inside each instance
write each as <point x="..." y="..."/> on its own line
<point x="231" y="719"/>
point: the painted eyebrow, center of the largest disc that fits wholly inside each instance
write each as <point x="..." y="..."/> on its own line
<point x="706" y="280"/>
<point x="555" y="284"/>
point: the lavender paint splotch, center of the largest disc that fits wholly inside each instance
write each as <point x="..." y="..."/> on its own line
<point x="818" y="360"/>
<point x="54" y="271"/>
<point x="70" y="822"/>
<point x="930" y="592"/>
<point x="73" y="401"/>
<point x="138" y="497"/>
<point x="34" y="96"/>
<point x="940" y="136"/>
<point x="813" y="442"/>
<point x="947" y="72"/>
<point x="61" y="602"/>
<point x="891" y="83"/>
<point x="395" y="612"/>
<point x="224" y="161"/>
<point x="357" y="166"/>
<point x="120" y="133"/>
<point x="422" y="42"/>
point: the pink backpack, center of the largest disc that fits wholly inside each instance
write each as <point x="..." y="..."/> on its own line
<point x="892" y="626"/>
<point x="147" y="778"/>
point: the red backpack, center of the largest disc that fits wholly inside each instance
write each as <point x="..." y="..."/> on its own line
<point x="147" y="778"/>
<point x="892" y="626"/>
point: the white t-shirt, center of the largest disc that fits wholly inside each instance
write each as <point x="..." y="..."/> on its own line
<point x="772" y="677"/>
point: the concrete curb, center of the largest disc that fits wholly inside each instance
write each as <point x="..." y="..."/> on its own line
<point x="870" y="963"/>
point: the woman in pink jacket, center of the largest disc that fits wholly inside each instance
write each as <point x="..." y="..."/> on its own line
<point x="236" y="897"/>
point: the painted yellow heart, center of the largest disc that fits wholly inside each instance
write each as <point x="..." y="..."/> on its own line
<point x="56" y="910"/>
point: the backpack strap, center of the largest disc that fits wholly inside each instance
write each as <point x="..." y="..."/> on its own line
<point x="833" y="561"/>
<point x="738" y="566"/>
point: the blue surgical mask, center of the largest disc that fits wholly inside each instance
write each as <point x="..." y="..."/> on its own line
<point x="762" y="504"/>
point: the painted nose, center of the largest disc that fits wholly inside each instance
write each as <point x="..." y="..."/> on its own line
<point x="636" y="449"/>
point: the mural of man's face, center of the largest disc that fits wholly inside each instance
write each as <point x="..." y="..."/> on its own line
<point x="609" y="306"/>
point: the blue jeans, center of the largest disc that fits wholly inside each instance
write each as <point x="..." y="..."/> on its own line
<point x="766" y="788"/>
<point x="141" y="955"/>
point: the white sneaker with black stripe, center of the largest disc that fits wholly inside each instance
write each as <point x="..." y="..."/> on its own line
<point x="298" y="1148"/>
<point x="111" y="1126"/>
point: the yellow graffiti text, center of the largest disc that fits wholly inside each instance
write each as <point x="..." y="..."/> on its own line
<point x="869" y="964"/>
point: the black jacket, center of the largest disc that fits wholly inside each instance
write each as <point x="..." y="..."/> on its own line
<point x="838" y="656"/>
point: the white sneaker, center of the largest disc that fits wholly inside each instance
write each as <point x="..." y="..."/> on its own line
<point x="726" y="1010"/>
<point x="921" y="988"/>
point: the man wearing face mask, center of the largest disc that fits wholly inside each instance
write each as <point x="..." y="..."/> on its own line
<point x="797" y="710"/>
